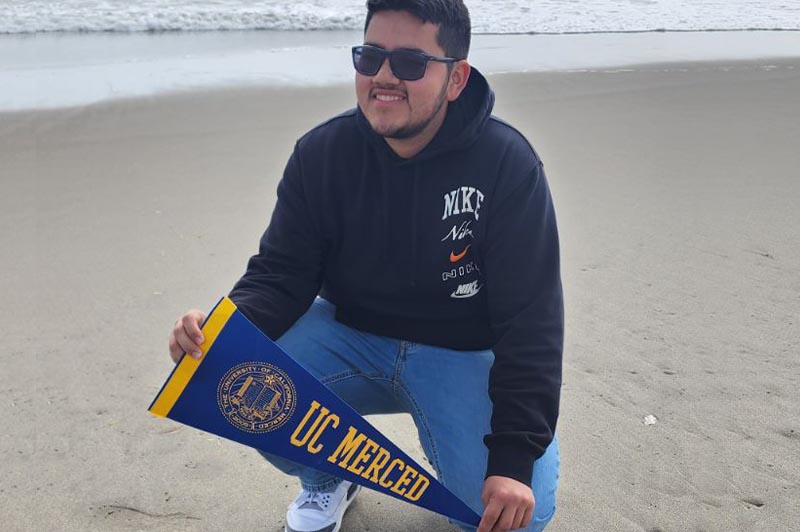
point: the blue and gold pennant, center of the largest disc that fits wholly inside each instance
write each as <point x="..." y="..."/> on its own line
<point x="247" y="389"/>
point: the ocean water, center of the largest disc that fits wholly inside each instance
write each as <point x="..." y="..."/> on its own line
<point x="488" y="16"/>
<point x="57" y="53"/>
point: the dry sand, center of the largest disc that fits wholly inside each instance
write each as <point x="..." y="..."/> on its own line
<point x="676" y="188"/>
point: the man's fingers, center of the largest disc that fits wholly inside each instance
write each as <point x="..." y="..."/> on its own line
<point x="527" y="516"/>
<point x="506" y="520"/>
<point x="507" y="502"/>
<point x="186" y="336"/>
<point x="490" y="516"/>
<point x="186" y="344"/>
<point x="191" y="324"/>
<point x="518" y="516"/>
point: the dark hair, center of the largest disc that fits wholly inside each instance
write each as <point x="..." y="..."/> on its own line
<point x="452" y="17"/>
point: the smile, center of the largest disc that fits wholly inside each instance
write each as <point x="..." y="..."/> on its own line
<point x="388" y="98"/>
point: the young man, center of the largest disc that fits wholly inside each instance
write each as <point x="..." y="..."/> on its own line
<point x="412" y="265"/>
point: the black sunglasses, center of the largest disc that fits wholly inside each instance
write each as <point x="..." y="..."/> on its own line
<point x="407" y="65"/>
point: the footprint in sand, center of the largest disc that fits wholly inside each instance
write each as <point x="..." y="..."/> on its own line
<point x="757" y="503"/>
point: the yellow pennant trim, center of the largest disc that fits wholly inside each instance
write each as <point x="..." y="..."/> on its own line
<point x="188" y="365"/>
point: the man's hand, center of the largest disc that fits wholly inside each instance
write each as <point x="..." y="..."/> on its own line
<point x="186" y="336"/>
<point x="509" y="504"/>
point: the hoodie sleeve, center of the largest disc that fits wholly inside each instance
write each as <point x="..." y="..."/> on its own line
<point x="283" y="279"/>
<point x="523" y="283"/>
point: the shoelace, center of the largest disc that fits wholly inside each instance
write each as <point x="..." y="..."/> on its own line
<point x="318" y="500"/>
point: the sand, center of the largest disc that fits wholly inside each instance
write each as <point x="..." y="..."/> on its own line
<point x="676" y="189"/>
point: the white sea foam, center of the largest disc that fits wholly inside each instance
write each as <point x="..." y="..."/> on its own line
<point x="489" y="16"/>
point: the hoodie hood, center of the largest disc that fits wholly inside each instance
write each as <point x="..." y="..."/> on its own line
<point x="465" y="119"/>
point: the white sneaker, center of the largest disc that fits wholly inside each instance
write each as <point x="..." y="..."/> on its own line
<point x="320" y="512"/>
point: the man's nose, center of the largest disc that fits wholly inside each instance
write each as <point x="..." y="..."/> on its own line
<point x="385" y="74"/>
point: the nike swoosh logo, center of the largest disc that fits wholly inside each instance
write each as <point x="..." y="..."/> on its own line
<point x="456" y="258"/>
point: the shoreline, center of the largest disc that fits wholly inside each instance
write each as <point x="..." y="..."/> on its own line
<point x="115" y="66"/>
<point x="765" y="64"/>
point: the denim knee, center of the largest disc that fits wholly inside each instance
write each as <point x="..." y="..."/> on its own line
<point x="541" y="518"/>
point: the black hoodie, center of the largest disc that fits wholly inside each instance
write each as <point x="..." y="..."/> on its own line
<point x="455" y="247"/>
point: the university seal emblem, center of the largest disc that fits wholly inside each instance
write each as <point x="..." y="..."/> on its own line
<point x="256" y="397"/>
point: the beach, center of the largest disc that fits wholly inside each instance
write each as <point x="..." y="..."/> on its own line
<point x="676" y="190"/>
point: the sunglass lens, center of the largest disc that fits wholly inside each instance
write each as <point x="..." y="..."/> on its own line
<point x="367" y="60"/>
<point x="408" y="66"/>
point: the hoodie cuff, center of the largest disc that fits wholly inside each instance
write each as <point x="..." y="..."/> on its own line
<point x="508" y="460"/>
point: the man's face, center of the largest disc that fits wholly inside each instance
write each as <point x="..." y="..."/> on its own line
<point x="396" y="108"/>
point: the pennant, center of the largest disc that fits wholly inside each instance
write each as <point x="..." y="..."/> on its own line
<point x="247" y="389"/>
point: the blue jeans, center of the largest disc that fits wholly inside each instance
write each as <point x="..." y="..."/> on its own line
<point x="445" y="391"/>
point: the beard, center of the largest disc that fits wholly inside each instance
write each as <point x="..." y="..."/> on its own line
<point x="413" y="129"/>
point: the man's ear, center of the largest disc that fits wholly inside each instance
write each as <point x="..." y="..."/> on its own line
<point x="458" y="80"/>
